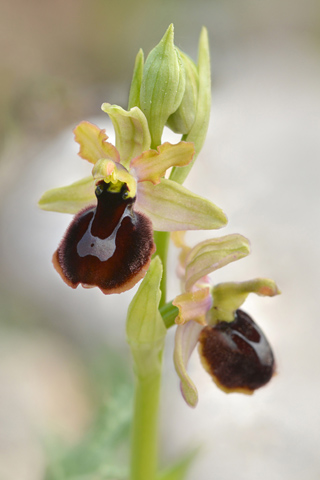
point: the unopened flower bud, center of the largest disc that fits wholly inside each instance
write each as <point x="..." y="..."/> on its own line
<point x="181" y="120"/>
<point x="162" y="86"/>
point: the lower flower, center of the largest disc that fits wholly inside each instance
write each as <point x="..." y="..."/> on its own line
<point x="232" y="348"/>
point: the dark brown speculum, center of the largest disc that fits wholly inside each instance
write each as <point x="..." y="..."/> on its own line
<point x="108" y="245"/>
<point x="237" y="354"/>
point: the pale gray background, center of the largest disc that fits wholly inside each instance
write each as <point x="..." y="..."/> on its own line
<point x="260" y="164"/>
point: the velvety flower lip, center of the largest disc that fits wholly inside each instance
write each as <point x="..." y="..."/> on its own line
<point x="112" y="255"/>
<point x="237" y="354"/>
<point x="232" y="348"/>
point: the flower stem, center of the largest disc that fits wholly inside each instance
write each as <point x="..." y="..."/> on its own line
<point x="144" y="452"/>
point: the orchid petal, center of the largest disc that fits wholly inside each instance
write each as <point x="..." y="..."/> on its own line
<point x="69" y="199"/>
<point x="193" y="306"/>
<point x="210" y="255"/>
<point x="93" y="143"/>
<point x="229" y="296"/>
<point x="186" y="339"/>
<point x="152" y="164"/>
<point x="172" y="207"/>
<point x="131" y="129"/>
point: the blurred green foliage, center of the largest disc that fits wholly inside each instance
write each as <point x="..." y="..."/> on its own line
<point x="103" y="452"/>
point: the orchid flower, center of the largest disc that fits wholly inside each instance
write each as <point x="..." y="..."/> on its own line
<point x="232" y="348"/>
<point x="109" y="243"/>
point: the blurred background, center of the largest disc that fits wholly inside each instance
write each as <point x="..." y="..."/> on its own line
<point x="63" y="356"/>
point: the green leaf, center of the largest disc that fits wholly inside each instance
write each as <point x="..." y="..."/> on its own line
<point x="102" y="453"/>
<point x="131" y="129"/>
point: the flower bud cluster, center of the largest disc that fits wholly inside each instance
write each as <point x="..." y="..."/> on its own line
<point x="172" y="90"/>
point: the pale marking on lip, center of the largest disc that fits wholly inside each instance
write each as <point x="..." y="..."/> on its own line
<point x="104" y="248"/>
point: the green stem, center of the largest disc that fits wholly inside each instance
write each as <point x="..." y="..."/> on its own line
<point x="144" y="450"/>
<point x="169" y="313"/>
<point x="162" y="239"/>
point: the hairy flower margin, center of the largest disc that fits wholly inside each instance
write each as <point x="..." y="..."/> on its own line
<point x="232" y="348"/>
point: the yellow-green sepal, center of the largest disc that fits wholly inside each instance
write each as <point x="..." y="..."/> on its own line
<point x="145" y="327"/>
<point x="69" y="199"/>
<point x="172" y="207"/>
<point x="131" y="129"/>
<point x="163" y="85"/>
<point x="228" y="297"/>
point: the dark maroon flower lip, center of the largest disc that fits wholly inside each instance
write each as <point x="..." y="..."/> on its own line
<point x="237" y="354"/>
<point x="108" y="246"/>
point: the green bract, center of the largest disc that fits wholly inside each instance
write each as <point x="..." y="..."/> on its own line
<point x="145" y="328"/>
<point x="198" y="131"/>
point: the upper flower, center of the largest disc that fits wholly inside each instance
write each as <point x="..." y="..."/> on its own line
<point x="232" y="348"/>
<point x="109" y="243"/>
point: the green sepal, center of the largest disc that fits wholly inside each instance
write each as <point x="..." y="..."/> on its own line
<point x="131" y="129"/>
<point x="182" y="120"/>
<point x="171" y="207"/>
<point x="145" y="328"/>
<point x="69" y="199"/>
<point x="228" y="297"/>
<point x="199" y="128"/>
<point x="134" y="95"/>
<point x="163" y="85"/>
